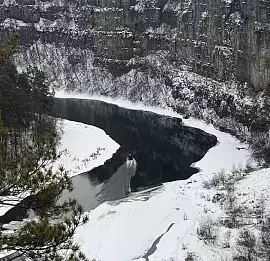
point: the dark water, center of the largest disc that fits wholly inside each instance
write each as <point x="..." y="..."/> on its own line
<point x="164" y="150"/>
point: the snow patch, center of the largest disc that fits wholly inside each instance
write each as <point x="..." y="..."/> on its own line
<point x="84" y="147"/>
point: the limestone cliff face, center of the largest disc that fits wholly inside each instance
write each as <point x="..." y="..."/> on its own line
<point x="221" y="39"/>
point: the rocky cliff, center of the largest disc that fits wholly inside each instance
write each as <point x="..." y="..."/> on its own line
<point x="220" y="39"/>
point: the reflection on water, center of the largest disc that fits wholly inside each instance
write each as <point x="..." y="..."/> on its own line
<point x="118" y="186"/>
<point x="90" y="193"/>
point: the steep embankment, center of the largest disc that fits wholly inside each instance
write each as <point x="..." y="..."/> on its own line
<point x="216" y="38"/>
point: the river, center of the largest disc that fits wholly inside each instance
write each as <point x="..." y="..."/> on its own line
<point x="163" y="148"/>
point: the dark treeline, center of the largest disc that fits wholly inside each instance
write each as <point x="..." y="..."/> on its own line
<point x="22" y="95"/>
<point x="25" y="98"/>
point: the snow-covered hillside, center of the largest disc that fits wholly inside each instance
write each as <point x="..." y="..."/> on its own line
<point x="230" y="106"/>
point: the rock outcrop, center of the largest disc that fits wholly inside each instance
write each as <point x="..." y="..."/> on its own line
<point x="220" y="39"/>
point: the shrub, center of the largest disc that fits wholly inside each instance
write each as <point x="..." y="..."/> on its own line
<point x="230" y="185"/>
<point x="261" y="147"/>
<point x="190" y="257"/>
<point x="246" y="243"/>
<point x="207" y="231"/>
<point x="217" y="180"/>
<point x="248" y="167"/>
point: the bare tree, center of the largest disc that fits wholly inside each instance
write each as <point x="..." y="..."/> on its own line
<point x="247" y="244"/>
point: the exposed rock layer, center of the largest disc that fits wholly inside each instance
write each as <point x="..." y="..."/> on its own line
<point x="222" y="39"/>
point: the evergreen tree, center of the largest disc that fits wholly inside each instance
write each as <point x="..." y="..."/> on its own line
<point x="28" y="149"/>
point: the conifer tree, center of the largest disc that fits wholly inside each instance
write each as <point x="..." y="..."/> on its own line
<point x="28" y="150"/>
